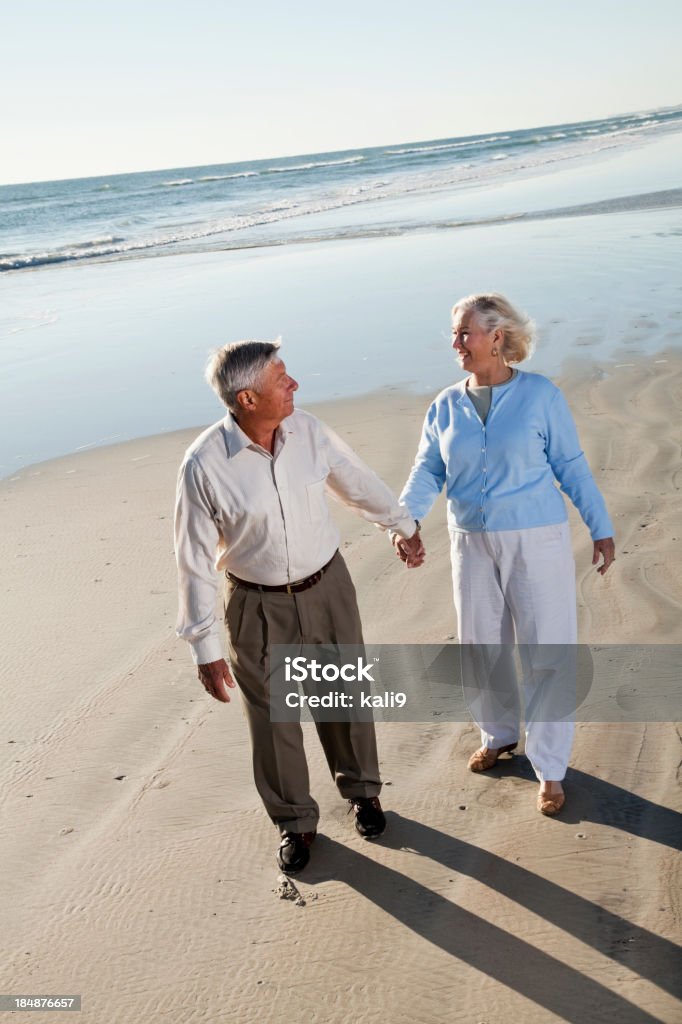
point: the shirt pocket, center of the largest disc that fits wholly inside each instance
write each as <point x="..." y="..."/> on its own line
<point x="317" y="501"/>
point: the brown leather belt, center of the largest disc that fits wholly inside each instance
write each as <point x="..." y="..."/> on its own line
<point x="285" y="588"/>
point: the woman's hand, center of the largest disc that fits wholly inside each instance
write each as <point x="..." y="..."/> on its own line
<point x="607" y="548"/>
<point x="410" y="551"/>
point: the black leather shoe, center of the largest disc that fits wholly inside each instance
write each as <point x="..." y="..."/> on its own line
<point x="294" y="852"/>
<point x="369" y="817"/>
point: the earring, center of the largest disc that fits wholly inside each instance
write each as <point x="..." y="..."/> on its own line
<point x="494" y="352"/>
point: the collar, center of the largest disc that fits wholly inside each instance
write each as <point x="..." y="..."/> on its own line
<point x="461" y="386"/>
<point x="236" y="440"/>
<point x="502" y="384"/>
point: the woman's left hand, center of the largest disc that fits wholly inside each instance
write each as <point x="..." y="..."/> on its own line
<point x="607" y="548"/>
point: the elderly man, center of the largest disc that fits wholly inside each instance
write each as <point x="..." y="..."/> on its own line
<point x="251" y="502"/>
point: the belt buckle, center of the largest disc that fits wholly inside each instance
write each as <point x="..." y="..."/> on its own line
<point x="289" y="590"/>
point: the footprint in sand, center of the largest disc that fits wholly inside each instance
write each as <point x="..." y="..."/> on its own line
<point x="286" y="890"/>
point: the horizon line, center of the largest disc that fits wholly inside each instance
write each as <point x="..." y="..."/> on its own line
<point x="329" y="152"/>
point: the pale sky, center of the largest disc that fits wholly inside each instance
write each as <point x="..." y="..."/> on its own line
<point x="95" y="87"/>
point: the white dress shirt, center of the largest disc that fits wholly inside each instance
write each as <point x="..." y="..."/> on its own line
<point x="264" y="517"/>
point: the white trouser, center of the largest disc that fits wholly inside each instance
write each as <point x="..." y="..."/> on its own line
<point x="519" y="586"/>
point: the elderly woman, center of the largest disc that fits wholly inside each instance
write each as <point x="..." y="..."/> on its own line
<point x="498" y="441"/>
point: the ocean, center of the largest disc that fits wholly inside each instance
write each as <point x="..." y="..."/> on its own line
<point x="113" y="290"/>
<point x="277" y="201"/>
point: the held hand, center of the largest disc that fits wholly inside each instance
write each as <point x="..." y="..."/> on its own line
<point x="607" y="548"/>
<point x="412" y="551"/>
<point x="215" y="678"/>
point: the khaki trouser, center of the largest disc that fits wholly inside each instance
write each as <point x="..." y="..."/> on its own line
<point x="326" y="613"/>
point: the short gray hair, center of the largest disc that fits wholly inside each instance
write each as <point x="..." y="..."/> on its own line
<point x="238" y="366"/>
<point x="494" y="311"/>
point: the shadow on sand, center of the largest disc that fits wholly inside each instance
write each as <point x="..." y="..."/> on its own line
<point x="496" y="952"/>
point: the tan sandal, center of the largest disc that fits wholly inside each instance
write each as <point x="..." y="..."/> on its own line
<point x="550" y="803"/>
<point x="483" y="759"/>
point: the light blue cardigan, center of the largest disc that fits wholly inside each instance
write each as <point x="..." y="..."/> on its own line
<point x="501" y="475"/>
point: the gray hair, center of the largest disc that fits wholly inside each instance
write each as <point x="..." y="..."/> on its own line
<point x="494" y="311"/>
<point x="238" y="366"/>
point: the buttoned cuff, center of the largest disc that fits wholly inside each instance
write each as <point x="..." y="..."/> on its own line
<point x="405" y="528"/>
<point x="208" y="649"/>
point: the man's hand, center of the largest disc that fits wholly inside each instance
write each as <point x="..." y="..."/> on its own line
<point x="607" y="548"/>
<point x="215" y="678"/>
<point x="412" y="551"/>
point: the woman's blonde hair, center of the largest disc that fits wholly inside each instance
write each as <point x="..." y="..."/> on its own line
<point x="494" y="311"/>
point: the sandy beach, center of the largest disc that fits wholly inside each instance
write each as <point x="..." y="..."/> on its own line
<point x="138" y="865"/>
